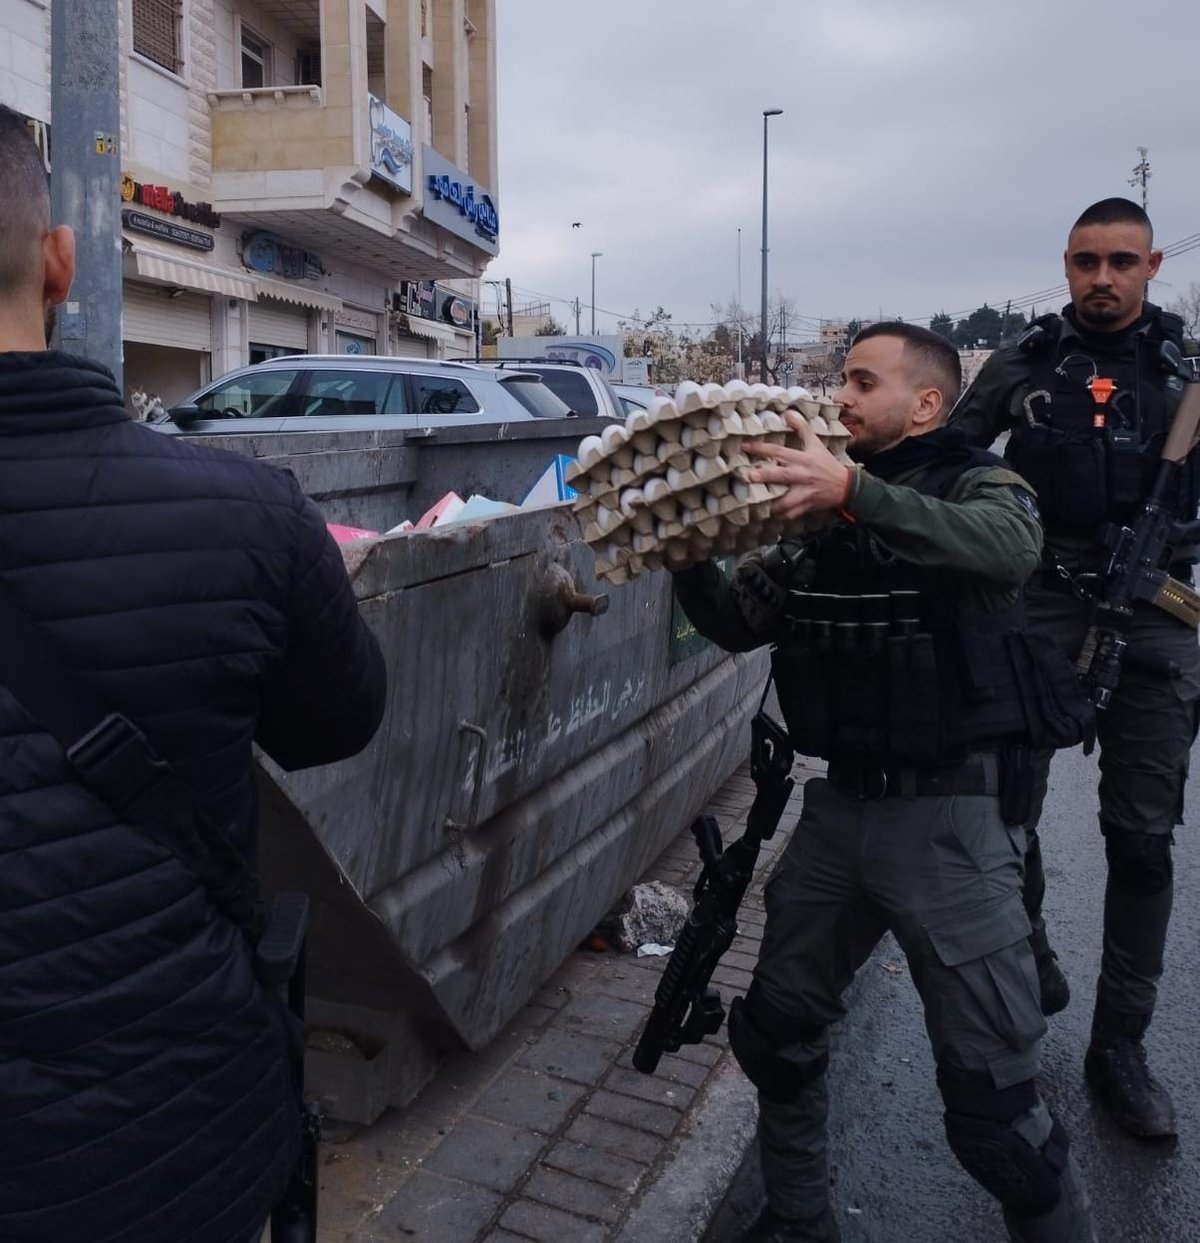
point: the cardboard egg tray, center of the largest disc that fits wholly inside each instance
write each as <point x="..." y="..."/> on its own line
<point x="671" y="483"/>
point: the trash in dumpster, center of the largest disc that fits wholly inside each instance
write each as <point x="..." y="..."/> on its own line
<point x="445" y="510"/>
<point x="349" y="535"/>
<point x="552" y="487"/>
<point x="673" y="481"/>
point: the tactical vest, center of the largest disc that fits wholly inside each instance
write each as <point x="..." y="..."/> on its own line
<point x="886" y="661"/>
<point x="1084" y="475"/>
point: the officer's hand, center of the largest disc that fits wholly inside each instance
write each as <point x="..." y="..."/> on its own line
<point x="815" y="479"/>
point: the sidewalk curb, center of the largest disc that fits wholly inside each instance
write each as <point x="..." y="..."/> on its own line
<point x="679" y="1206"/>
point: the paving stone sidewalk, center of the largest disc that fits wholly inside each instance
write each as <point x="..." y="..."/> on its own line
<point x="549" y="1134"/>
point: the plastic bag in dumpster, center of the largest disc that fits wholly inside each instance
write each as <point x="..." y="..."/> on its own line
<point x="349" y="535"/>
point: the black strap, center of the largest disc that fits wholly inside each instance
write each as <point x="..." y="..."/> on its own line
<point x="115" y="761"/>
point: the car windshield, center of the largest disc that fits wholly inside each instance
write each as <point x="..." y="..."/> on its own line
<point x="535" y="396"/>
<point x="573" y="388"/>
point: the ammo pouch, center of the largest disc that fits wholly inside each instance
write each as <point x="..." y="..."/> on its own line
<point x="856" y="687"/>
<point x="1069" y="472"/>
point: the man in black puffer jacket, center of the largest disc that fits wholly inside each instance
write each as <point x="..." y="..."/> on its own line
<point x="145" y="1085"/>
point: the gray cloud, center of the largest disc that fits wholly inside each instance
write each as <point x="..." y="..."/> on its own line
<point x="932" y="153"/>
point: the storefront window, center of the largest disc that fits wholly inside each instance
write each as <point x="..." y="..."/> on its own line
<point x="351" y="343"/>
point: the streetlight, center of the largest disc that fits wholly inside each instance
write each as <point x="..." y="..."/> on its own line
<point x="767" y="113"/>
<point x="596" y="254"/>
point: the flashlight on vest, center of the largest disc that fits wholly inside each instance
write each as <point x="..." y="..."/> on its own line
<point x="1101" y="389"/>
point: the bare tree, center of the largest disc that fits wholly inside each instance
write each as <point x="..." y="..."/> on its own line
<point x="1187" y="308"/>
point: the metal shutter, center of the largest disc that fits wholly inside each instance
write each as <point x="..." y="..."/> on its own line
<point x="149" y="316"/>
<point x="404" y="346"/>
<point x="278" y="323"/>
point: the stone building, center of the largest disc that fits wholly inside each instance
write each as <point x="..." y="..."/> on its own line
<point x="297" y="175"/>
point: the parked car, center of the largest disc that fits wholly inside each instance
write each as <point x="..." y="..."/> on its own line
<point x="339" y="392"/>
<point x="584" y="389"/>
<point x="636" y="396"/>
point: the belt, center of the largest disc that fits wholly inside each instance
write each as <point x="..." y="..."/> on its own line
<point x="978" y="774"/>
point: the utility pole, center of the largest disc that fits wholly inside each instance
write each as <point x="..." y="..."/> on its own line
<point x="577" y="315"/>
<point x="741" y="374"/>
<point x="85" y="115"/>
<point x="1141" y="173"/>
<point x="508" y="300"/>
<point x="596" y="254"/>
<point x="768" y="113"/>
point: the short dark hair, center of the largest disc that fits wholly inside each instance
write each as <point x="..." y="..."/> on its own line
<point x="1115" y="211"/>
<point x="24" y="201"/>
<point x="934" y="359"/>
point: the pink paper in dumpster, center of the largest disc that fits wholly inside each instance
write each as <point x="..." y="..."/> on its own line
<point x="349" y="535"/>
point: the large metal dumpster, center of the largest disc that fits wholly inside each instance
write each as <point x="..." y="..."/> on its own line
<point x="523" y="778"/>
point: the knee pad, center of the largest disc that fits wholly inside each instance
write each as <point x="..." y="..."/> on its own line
<point x="982" y="1130"/>
<point x="761" y="1038"/>
<point x="1139" y="863"/>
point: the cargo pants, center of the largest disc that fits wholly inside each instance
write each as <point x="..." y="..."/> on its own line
<point x="944" y="875"/>
<point x="1145" y="737"/>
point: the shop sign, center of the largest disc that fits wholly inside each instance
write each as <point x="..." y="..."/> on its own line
<point x="271" y="255"/>
<point x="459" y="204"/>
<point x="391" y="145"/>
<point x="418" y="298"/>
<point x="139" y="222"/>
<point x="457" y="312"/>
<point x="358" y="321"/>
<point x="164" y="199"/>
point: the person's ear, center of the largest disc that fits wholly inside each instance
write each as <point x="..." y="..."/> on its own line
<point x="928" y="410"/>
<point x="1156" y="258"/>
<point x="58" y="264"/>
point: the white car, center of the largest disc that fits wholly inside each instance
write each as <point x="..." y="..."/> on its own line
<point x="342" y="392"/>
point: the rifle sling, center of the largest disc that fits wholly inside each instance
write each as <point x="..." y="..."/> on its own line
<point x="115" y="761"/>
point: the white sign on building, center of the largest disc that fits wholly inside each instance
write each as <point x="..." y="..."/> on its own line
<point x="391" y="146"/>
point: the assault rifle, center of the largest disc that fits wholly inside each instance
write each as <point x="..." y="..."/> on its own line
<point x="685" y="1008"/>
<point x="1136" y="555"/>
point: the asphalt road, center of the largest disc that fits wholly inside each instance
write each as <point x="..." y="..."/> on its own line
<point x="894" y="1178"/>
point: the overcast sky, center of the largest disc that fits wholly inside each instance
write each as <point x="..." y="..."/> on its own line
<point x="932" y="153"/>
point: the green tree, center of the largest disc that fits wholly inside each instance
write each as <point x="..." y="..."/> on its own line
<point x="980" y="329"/>
<point x="488" y="333"/>
<point x="552" y="328"/>
<point x="943" y="325"/>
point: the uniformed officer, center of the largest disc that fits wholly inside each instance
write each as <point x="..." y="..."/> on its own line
<point x="900" y="656"/>
<point x="1085" y="476"/>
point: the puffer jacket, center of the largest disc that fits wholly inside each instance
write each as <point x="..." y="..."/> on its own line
<point x="145" y="1092"/>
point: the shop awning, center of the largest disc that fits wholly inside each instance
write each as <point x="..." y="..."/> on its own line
<point x="156" y="265"/>
<point x="431" y="330"/>
<point x="298" y="295"/>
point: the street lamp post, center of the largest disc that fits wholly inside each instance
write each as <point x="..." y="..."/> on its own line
<point x="596" y="254"/>
<point x="767" y="114"/>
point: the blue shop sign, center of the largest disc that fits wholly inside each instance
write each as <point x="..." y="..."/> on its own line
<point x="459" y="204"/>
<point x="266" y="253"/>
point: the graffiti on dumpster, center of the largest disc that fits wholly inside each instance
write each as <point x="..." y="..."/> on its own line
<point x="527" y="745"/>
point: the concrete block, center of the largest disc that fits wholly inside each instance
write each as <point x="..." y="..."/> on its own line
<point x="486" y="1154"/>
<point x="614" y="1139"/>
<point x="575" y="1195"/>
<point x="620" y="1020"/>
<point x="550" y="1225"/>
<point x="642" y="1115"/>
<point x="433" y="1208"/>
<point x="598" y="1166"/>
<point x="649" y="1088"/>
<point x="579" y="1057"/>
<point x="525" y="1099"/>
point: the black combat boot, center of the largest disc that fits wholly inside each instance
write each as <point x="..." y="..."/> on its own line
<point x="1116" y="1071"/>
<point x="771" y="1228"/>
<point x="1052" y="982"/>
<point x="1069" y="1221"/>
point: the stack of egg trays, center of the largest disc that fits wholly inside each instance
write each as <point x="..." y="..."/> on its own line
<point x="671" y="484"/>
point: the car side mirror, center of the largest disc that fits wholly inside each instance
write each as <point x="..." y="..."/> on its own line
<point x="183" y="416"/>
